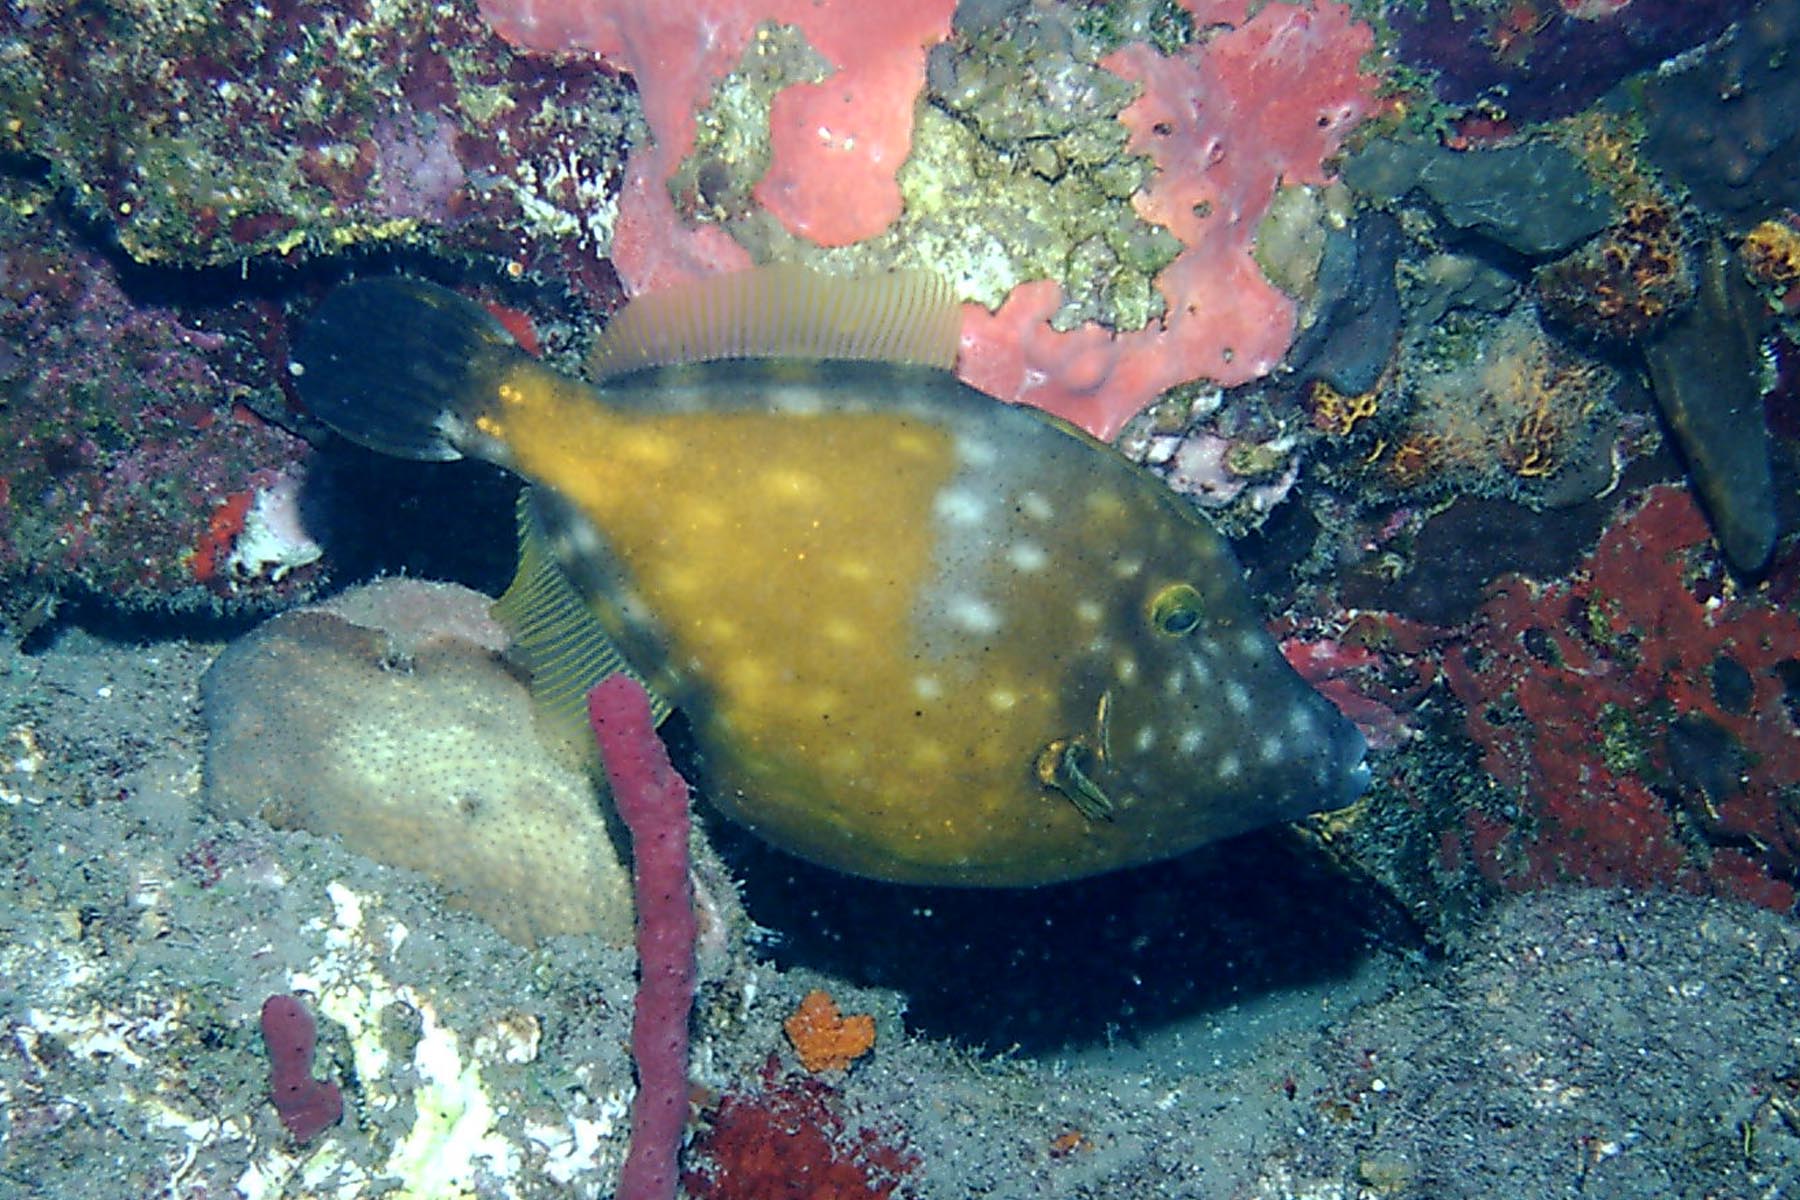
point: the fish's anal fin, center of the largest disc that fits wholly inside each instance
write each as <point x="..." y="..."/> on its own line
<point x="406" y="368"/>
<point x="785" y="311"/>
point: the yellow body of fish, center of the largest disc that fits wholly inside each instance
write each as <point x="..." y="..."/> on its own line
<point x="918" y="634"/>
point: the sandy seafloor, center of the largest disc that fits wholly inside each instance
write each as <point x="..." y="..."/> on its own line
<point x="1574" y="1044"/>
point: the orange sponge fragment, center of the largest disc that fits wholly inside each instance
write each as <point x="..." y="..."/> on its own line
<point x="825" y="1039"/>
<point x="834" y="145"/>
<point x="1260" y="103"/>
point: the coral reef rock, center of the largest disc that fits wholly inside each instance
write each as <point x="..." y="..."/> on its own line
<point x="1723" y="122"/>
<point x="1466" y="189"/>
<point x="1705" y="370"/>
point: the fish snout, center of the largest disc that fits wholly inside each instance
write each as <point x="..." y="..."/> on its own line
<point x="1240" y="726"/>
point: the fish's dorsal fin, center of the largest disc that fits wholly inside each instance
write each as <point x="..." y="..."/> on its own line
<point x="785" y="311"/>
<point x="557" y="638"/>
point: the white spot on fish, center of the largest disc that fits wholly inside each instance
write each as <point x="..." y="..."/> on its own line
<point x="1237" y="698"/>
<point x="802" y="400"/>
<point x="1251" y="645"/>
<point x="1089" y="611"/>
<point x="682" y="578"/>
<point x="1229" y="768"/>
<point x="1302" y="725"/>
<point x="746" y="675"/>
<point x="702" y="513"/>
<point x="1125" y="668"/>
<point x="1272" y="750"/>
<point x="584" y="537"/>
<point x="958" y="507"/>
<point x="1105" y="504"/>
<point x="972" y="614"/>
<point x="1036" y="506"/>
<point x="1027" y="556"/>
<point x="633" y="608"/>
<point x="914" y="445"/>
<point x="1174" y="684"/>
<point x="1002" y="699"/>
<point x="841" y="631"/>
<point x="976" y="452"/>
<point x="1127" y="568"/>
<point x="928" y="754"/>
<point x="1146" y="738"/>
<point x="927" y="687"/>
<point x="1190" y="740"/>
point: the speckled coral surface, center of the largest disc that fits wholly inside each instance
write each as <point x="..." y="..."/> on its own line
<point x="398" y="728"/>
<point x="208" y="134"/>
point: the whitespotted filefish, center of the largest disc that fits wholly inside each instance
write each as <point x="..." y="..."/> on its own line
<point x="918" y="634"/>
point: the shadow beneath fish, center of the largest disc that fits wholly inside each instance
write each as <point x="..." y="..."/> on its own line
<point x="1062" y="968"/>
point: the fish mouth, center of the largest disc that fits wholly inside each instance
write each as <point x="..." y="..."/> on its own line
<point x="1067" y="765"/>
<point x="1071" y="765"/>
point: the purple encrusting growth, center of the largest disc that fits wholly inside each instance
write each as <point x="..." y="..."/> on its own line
<point x="307" y="1106"/>
<point x="1535" y="61"/>
<point x="652" y="800"/>
<point x="417" y="171"/>
<point x="125" y="426"/>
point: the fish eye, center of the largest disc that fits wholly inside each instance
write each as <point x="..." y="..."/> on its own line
<point x="1176" y="609"/>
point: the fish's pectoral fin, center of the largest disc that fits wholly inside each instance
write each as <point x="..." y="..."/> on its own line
<point x="1065" y="764"/>
<point x="557" y="637"/>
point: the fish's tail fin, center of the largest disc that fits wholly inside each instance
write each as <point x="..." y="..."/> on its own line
<point x="404" y="367"/>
